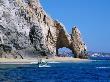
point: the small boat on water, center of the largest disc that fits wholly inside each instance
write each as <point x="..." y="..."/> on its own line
<point x="42" y="63"/>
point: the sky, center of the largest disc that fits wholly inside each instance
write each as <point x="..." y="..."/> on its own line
<point x="92" y="17"/>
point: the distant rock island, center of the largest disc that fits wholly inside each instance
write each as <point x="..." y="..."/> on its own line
<point x="27" y="31"/>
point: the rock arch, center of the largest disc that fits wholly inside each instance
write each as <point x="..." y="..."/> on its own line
<point x="46" y="34"/>
<point x="72" y="41"/>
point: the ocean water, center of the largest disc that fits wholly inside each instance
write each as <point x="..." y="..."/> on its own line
<point x="92" y="71"/>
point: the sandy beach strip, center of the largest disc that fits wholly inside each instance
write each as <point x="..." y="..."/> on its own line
<point x="18" y="61"/>
<point x="66" y="59"/>
<point x="35" y="60"/>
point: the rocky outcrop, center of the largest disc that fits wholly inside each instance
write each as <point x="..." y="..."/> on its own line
<point x="28" y="31"/>
<point x="73" y="41"/>
<point x="78" y="46"/>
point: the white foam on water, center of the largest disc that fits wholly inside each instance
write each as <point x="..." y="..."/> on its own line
<point x="54" y="62"/>
<point x="34" y="63"/>
<point x="44" y="66"/>
<point x="102" y="67"/>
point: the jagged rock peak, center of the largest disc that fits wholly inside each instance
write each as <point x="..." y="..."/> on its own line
<point x="78" y="44"/>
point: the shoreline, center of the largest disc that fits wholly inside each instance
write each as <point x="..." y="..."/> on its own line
<point x="66" y="59"/>
<point x="35" y="60"/>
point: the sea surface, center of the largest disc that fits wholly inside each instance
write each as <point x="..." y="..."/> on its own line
<point x="90" y="71"/>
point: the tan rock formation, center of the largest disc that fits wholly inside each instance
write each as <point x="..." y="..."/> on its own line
<point x="26" y="29"/>
<point x="78" y="46"/>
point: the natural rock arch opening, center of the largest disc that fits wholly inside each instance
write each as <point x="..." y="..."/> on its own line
<point x="72" y="41"/>
<point x="65" y="52"/>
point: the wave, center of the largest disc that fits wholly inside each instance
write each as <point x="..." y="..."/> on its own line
<point x="54" y="62"/>
<point x="44" y="66"/>
<point x="102" y="67"/>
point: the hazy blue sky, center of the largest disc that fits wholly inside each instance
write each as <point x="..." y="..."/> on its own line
<point x="92" y="17"/>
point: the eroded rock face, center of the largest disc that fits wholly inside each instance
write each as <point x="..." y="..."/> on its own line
<point x="29" y="31"/>
<point x="73" y="41"/>
<point x="78" y="46"/>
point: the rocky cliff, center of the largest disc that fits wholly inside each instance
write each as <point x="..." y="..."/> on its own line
<point x="27" y="31"/>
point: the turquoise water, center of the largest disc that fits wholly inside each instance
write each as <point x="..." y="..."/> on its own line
<point x="93" y="71"/>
